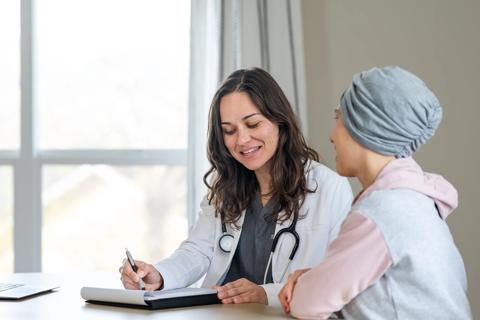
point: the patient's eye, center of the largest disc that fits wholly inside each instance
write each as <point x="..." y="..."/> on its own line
<point x="337" y="114"/>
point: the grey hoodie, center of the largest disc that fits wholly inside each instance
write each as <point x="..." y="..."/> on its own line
<point x="394" y="257"/>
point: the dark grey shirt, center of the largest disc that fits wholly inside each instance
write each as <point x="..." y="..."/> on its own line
<point x="253" y="249"/>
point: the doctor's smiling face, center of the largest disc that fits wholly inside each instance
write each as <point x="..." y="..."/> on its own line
<point x="248" y="135"/>
<point x="255" y="144"/>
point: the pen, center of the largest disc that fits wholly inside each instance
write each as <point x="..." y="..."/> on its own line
<point x="134" y="267"/>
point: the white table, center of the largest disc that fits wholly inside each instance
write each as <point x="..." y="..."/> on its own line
<point x="66" y="303"/>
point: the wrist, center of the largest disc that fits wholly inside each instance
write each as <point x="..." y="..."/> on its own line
<point x="263" y="296"/>
<point x="160" y="286"/>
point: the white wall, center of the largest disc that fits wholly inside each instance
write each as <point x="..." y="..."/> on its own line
<point x="439" y="41"/>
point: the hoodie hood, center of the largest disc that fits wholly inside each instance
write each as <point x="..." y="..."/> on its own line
<point x="406" y="173"/>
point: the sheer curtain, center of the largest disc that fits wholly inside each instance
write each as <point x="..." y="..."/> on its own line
<point x="232" y="34"/>
<point x="266" y="34"/>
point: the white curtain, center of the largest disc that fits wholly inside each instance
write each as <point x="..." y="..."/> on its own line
<point x="266" y="34"/>
<point x="233" y="34"/>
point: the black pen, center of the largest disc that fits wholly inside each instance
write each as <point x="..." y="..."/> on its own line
<point x="134" y="267"/>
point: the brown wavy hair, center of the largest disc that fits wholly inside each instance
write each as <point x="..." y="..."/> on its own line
<point x="231" y="185"/>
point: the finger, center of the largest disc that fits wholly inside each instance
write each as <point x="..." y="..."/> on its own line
<point x="227" y="301"/>
<point x="128" y="284"/>
<point x="295" y="279"/>
<point x="295" y="276"/>
<point x="231" y="300"/>
<point x="129" y="273"/>
<point x="238" y="283"/>
<point x="233" y="284"/>
<point x="143" y="268"/>
<point x="288" y="292"/>
<point x="247" y="297"/>
<point x="285" y="304"/>
<point x="245" y="294"/>
<point x="282" y="298"/>
<point x="126" y="265"/>
<point x="151" y="286"/>
<point x="141" y="264"/>
<point x="285" y="307"/>
<point x="234" y="291"/>
<point x="288" y="296"/>
<point x="284" y="292"/>
<point x="283" y="301"/>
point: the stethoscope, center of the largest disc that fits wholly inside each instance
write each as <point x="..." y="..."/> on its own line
<point x="226" y="242"/>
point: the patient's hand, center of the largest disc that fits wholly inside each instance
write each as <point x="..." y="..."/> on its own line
<point x="286" y="293"/>
<point x="242" y="291"/>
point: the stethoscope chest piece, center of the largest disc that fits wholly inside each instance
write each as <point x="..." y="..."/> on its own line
<point x="226" y="242"/>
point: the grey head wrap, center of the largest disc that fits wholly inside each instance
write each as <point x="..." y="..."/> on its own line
<point x="390" y="111"/>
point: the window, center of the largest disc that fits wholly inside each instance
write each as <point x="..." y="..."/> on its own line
<point x="9" y="122"/>
<point x="109" y="208"/>
<point x="6" y="220"/>
<point x="114" y="76"/>
<point x="9" y="74"/>
<point x="103" y="155"/>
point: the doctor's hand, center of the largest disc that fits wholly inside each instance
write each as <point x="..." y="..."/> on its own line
<point x="152" y="278"/>
<point x="286" y="293"/>
<point x="242" y="291"/>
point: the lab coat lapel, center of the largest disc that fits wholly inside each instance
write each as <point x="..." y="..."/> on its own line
<point x="236" y="237"/>
<point x="222" y="260"/>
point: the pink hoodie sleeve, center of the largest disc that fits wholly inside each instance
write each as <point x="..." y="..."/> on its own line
<point x="355" y="260"/>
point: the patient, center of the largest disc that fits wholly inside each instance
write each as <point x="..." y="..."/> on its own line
<point x="394" y="257"/>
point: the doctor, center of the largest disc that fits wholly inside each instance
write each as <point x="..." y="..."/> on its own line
<point x="271" y="207"/>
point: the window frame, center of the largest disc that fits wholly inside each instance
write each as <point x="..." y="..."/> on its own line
<point x="28" y="161"/>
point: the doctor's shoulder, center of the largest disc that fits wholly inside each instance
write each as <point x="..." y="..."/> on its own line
<point x="321" y="178"/>
<point x="207" y="209"/>
<point x="331" y="197"/>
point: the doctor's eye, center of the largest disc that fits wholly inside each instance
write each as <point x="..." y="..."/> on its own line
<point x="228" y="132"/>
<point x="253" y="125"/>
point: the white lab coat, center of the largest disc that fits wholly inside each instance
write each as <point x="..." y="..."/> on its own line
<point x="200" y="254"/>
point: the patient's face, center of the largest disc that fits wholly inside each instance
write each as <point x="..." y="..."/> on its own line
<point x="348" y="151"/>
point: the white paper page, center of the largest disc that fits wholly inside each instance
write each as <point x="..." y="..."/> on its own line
<point x="114" y="295"/>
<point x="175" y="293"/>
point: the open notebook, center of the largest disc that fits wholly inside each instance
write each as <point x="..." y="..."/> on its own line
<point x="150" y="300"/>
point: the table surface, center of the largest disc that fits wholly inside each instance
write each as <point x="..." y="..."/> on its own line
<point x="66" y="302"/>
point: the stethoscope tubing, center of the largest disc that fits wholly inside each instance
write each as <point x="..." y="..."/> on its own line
<point x="290" y="229"/>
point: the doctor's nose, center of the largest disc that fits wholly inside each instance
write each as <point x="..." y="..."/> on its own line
<point x="243" y="137"/>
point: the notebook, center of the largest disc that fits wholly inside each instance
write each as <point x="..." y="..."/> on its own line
<point x="16" y="291"/>
<point x="163" y="299"/>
